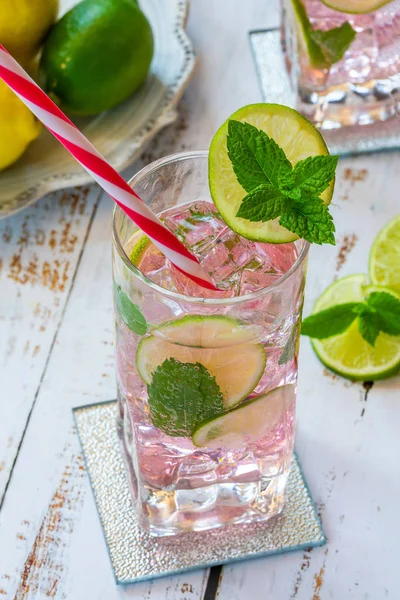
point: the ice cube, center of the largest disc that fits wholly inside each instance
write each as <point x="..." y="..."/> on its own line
<point x="225" y="258"/>
<point x="269" y="263"/>
<point x="195" y="225"/>
<point x="221" y="252"/>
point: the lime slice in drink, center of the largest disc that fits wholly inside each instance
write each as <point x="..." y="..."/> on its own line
<point x="359" y="7"/>
<point x="237" y="369"/>
<point x="348" y="354"/>
<point x="246" y="423"/>
<point x="293" y="133"/>
<point x="213" y="331"/>
<point x="384" y="258"/>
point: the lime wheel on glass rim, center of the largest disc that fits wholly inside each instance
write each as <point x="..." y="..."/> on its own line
<point x="348" y="353"/>
<point x="355" y="7"/>
<point x="295" y="135"/>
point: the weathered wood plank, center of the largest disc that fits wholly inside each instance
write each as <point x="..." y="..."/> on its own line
<point x="39" y="253"/>
<point x="61" y="551"/>
<point x="347" y="433"/>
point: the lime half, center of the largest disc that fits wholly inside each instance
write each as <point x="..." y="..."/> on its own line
<point x="298" y="138"/>
<point x="246" y="423"/>
<point x="348" y="354"/>
<point x="384" y="258"/>
<point x="236" y="368"/>
<point x="355" y="6"/>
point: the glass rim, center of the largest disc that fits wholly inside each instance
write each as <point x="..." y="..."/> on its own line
<point x="170" y="158"/>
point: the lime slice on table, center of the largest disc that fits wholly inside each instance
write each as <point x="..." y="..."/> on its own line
<point x="236" y="368"/>
<point x="384" y="258"/>
<point x="293" y="133"/>
<point x="348" y="354"/>
<point x="246" y="423"/>
<point x="355" y="6"/>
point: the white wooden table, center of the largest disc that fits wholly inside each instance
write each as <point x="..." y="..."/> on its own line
<point x="56" y="352"/>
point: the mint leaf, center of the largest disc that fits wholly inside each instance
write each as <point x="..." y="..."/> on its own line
<point x="324" y="47"/>
<point x="309" y="177"/>
<point x="311" y="220"/>
<point x="333" y="43"/>
<point x="291" y="346"/>
<point x="368" y="323"/>
<point x="129" y="312"/>
<point x="388" y="308"/>
<point x="182" y="396"/>
<point x="256" y="158"/>
<point x="329" y="322"/>
<point x="263" y="204"/>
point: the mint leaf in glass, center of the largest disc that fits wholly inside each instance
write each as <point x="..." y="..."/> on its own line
<point x="324" y="47"/>
<point x="291" y="346"/>
<point x="129" y="312"/>
<point x="310" y="219"/>
<point x="182" y="396"/>
<point x="329" y="322"/>
<point x="263" y="204"/>
<point x="256" y="158"/>
<point x="333" y="43"/>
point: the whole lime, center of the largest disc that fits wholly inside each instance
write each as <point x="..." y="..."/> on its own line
<point x="97" y="55"/>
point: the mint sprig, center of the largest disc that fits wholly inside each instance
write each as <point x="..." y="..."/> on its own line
<point x="379" y="313"/>
<point x="182" y="396"/>
<point x="276" y="189"/>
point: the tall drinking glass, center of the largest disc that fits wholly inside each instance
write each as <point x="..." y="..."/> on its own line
<point x="344" y="63"/>
<point x="206" y="380"/>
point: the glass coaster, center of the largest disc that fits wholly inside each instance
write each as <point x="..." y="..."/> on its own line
<point x="136" y="556"/>
<point x="275" y="88"/>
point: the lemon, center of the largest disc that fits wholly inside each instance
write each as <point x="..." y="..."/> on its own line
<point x="24" y="24"/>
<point x="18" y="127"/>
<point x="97" y="55"/>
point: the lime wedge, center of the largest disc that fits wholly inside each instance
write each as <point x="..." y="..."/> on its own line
<point x="246" y="423"/>
<point x="384" y="258"/>
<point x="141" y="243"/>
<point x="237" y="369"/>
<point x="293" y="133"/>
<point x="355" y="7"/>
<point x="348" y="354"/>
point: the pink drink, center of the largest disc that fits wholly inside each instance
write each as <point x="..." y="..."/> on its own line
<point x="364" y="85"/>
<point x="234" y="468"/>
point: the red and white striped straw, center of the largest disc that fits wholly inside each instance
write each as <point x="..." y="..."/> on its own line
<point x="106" y="176"/>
